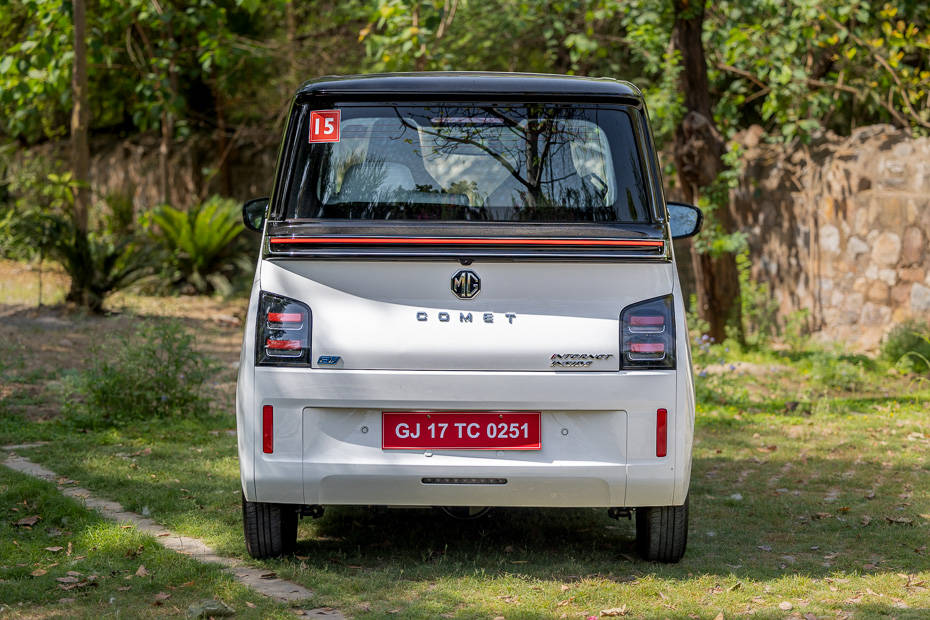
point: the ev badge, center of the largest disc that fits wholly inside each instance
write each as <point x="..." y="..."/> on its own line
<point x="466" y="284"/>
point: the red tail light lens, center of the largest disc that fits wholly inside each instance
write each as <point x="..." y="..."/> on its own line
<point x="647" y="335"/>
<point x="283" y="332"/>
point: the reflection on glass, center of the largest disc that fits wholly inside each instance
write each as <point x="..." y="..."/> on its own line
<point x="474" y="162"/>
<point x="683" y="219"/>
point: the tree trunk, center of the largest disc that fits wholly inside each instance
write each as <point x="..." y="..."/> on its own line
<point x="80" y="151"/>
<point x="699" y="152"/>
<point x="291" y="27"/>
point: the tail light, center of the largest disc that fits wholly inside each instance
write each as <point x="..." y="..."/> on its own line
<point x="647" y="335"/>
<point x="283" y="332"/>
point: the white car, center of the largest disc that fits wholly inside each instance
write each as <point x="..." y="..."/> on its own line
<point x="466" y="298"/>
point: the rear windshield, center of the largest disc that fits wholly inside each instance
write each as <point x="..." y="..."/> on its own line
<point x="467" y="162"/>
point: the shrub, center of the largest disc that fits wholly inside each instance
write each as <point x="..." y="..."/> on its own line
<point x="758" y="307"/>
<point x="831" y="372"/>
<point x="108" y="257"/>
<point x="203" y="255"/>
<point x="908" y="346"/>
<point x="153" y="373"/>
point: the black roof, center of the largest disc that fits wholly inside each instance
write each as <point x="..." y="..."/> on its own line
<point x="470" y="83"/>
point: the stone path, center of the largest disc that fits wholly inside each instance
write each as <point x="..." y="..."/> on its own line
<point x="255" y="578"/>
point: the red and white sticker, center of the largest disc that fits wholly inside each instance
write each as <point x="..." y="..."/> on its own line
<point x="324" y="126"/>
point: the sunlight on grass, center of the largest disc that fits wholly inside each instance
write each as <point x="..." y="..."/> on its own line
<point x="808" y="496"/>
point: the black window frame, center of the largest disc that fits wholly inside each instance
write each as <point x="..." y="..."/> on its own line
<point x="303" y="105"/>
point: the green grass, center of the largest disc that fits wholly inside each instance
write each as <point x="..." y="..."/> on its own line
<point x="809" y="488"/>
<point x="101" y="559"/>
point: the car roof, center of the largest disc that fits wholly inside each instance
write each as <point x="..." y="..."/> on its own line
<point x="472" y="83"/>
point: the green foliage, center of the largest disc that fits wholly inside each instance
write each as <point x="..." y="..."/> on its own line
<point x="155" y="372"/>
<point x="907" y="346"/>
<point x="202" y="253"/>
<point x="758" y="308"/>
<point x="110" y="257"/>
<point x="796" y="331"/>
<point x="804" y="65"/>
<point x="830" y="373"/>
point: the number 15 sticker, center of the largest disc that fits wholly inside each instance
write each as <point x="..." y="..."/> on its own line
<point x="324" y="126"/>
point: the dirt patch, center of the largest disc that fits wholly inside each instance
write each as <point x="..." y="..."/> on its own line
<point x="40" y="345"/>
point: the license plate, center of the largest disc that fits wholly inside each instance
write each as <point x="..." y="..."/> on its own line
<point x="460" y="430"/>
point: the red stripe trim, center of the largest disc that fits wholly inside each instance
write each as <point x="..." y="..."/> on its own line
<point x="467" y="241"/>
<point x="283" y="345"/>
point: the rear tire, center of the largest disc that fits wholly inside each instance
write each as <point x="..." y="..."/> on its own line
<point x="270" y="529"/>
<point x="662" y="532"/>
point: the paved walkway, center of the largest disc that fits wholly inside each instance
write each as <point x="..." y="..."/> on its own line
<point x="278" y="589"/>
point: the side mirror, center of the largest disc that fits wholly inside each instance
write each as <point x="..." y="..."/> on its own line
<point x="684" y="220"/>
<point x="253" y="213"/>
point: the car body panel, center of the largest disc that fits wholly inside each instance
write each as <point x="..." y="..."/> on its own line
<point x="598" y="423"/>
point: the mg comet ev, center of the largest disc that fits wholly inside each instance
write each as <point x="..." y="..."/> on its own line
<point x="466" y="298"/>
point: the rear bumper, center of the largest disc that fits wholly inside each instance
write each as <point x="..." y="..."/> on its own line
<point x="598" y="439"/>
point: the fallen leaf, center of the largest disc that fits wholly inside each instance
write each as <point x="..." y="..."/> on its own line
<point x="28" y="521"/>
<point x="899" y="520"/>
<point x="567" y="601"/>
<point x="565" y="587"/>
<point x="268" y="575"/>
<point x="508" y="598"/>
<point x="65" y="601"/>
<point x="821" y="515"/>
<point x="69" y="548"/>
<point x="38" y="572"/>
<point x="785" y="606"/>
<point x="68" y="579"/>
<point x="54" y="549"/>
<point x="141" y="571"/>
<point x="123" y="588"/>
<point x="735" y="586"/>
<point x="74" y="573"/>
<point x="250" y="605"/>
<point x="719" y="616"/>
<point x="163" y="534"/>
<point x="866" y="519"/>
<point x="161" y="597"/>
<point x="614" y="611"/>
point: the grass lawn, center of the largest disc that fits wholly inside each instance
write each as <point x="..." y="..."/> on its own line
<point x="60" y="560"/>
<point x="809" y="498"/>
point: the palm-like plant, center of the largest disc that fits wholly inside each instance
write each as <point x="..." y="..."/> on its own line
<point x="200" y="243"/>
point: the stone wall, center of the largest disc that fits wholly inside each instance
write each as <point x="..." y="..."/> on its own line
<point x="841" y="228"/>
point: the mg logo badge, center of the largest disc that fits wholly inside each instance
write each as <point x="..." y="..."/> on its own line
<point x="466" y="284"/>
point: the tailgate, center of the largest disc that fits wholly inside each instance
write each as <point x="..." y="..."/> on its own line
<point x="404" y="315"/>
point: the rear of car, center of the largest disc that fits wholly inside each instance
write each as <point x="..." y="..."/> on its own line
<point x="466" y="297"/>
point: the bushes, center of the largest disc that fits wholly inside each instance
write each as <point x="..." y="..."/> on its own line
<point x="195" y="251"/>
<point x="908" y="346"/>
<point x="110" y="256"/>
<point x="200" y="245"/>
<point x="153" y="373"/>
